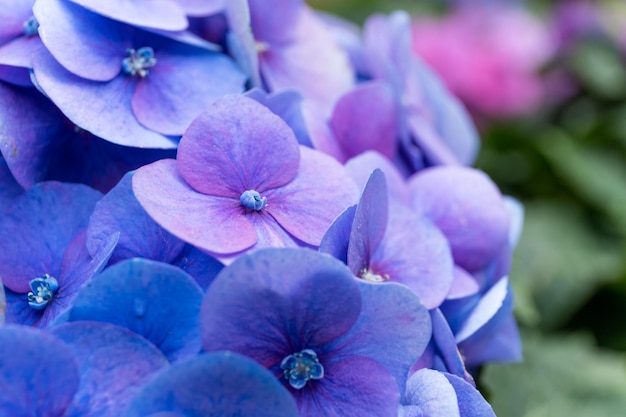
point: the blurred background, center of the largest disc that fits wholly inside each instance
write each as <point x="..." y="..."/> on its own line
<point x="546" y="83"/>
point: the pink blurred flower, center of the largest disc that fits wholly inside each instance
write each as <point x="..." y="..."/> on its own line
<point x="488" y="56"/>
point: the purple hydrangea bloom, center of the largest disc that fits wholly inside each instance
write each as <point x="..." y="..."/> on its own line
<point x="240" y="180"/>
<point x="291" y="48"/>
<point x="142" y="87"/>
<point x="35" y="384"/>
<point x="221" y="384"/>
<point x="434" y="126"/>
<point x="388" y="242"/>
<point x="48" y="222"/>
<point x="113" y="364"/>
<point x="155" y="300"/>
<point x="336" y="342"/>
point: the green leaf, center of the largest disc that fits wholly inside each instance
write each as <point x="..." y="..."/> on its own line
<point x="561" y="375"/>
<point x="600" y="69"/>
<point x="598" y="175"/>
<point x="559" y="263"/>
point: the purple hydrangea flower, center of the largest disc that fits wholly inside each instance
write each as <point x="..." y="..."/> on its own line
<point x="47" y="223"/>
<point x="434" y="126"/>
<point x="388" y="242"/>
<point x="221" y="384"/>
<point x="286" y="43"/>
<point x="34" y="383"/>
<point x="240" y="180"/>
<point x="142" y="87"/>
<point x="336" y="342"/>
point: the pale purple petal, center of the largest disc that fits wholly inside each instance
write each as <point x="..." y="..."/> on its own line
<point x="185" y="81"/>
<point x="471" y="402"/>
<point x="13" y="15"/>
<point x="463" y="285"/>
<point x="366" y="119"/>
<point x="504" y="345"/>
<point x="337" y="238"/>
<point x="415" y="253"/>
<point x="307" y="206"/>
<point x="84" y="43"/>
<point x="468" y="208"/>
<point x="201" y="7"/>
<point x="20" y="52"/>
<point x="312" y="64"/>
<point x="432" y="393"/>
<point x="108" y="114"/>
<point x="361" y="166"/>
<point x="370" y="223"/>
<point x="273" y="21"/>
<point x="237" y="145"/>
<point x="157" y="14"/>
<point x="240" y="40"/>
<point x="214" y="224"/>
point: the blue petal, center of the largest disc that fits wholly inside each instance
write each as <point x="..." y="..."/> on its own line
<point x="155" y="300"/>
<point x="38" y="373"/>
<point x="113" y="363"/>
<point x="221" y="384"/>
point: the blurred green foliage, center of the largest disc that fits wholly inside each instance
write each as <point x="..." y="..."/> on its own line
<point x="566" y="162"/>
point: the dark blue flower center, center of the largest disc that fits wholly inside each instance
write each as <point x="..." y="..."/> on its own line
<point x="42" y="290"/>
<point x="138" y="62"/>
<point x="252" y="200"/>
<point x="30" y="27"/>
<point x="301" y="367"/>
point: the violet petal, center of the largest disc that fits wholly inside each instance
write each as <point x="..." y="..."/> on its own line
<point x="237" y="145"/>
<point x="214" y="224"/>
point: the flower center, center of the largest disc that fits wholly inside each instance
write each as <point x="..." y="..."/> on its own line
<point x="30" y="27"/>
<point x="301" y="367"/>
<point x="252" y="200"/>
<point x="42" y="291"/>
<point x="368" y="275"/>
<point x="139" y="61"/>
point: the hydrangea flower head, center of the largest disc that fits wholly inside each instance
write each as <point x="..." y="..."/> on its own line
<point x="241" y="179"/>
<point x="342" y="346"/>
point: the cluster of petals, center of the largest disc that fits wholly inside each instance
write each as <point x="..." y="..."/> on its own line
<point x="240" y="208"/>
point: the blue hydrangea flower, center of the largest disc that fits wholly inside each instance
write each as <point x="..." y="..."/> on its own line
<point x="47" y="223"/>
<point x="240" y="180"/>
<point x="142" y="87"/>
<point x="336" y="342"/>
